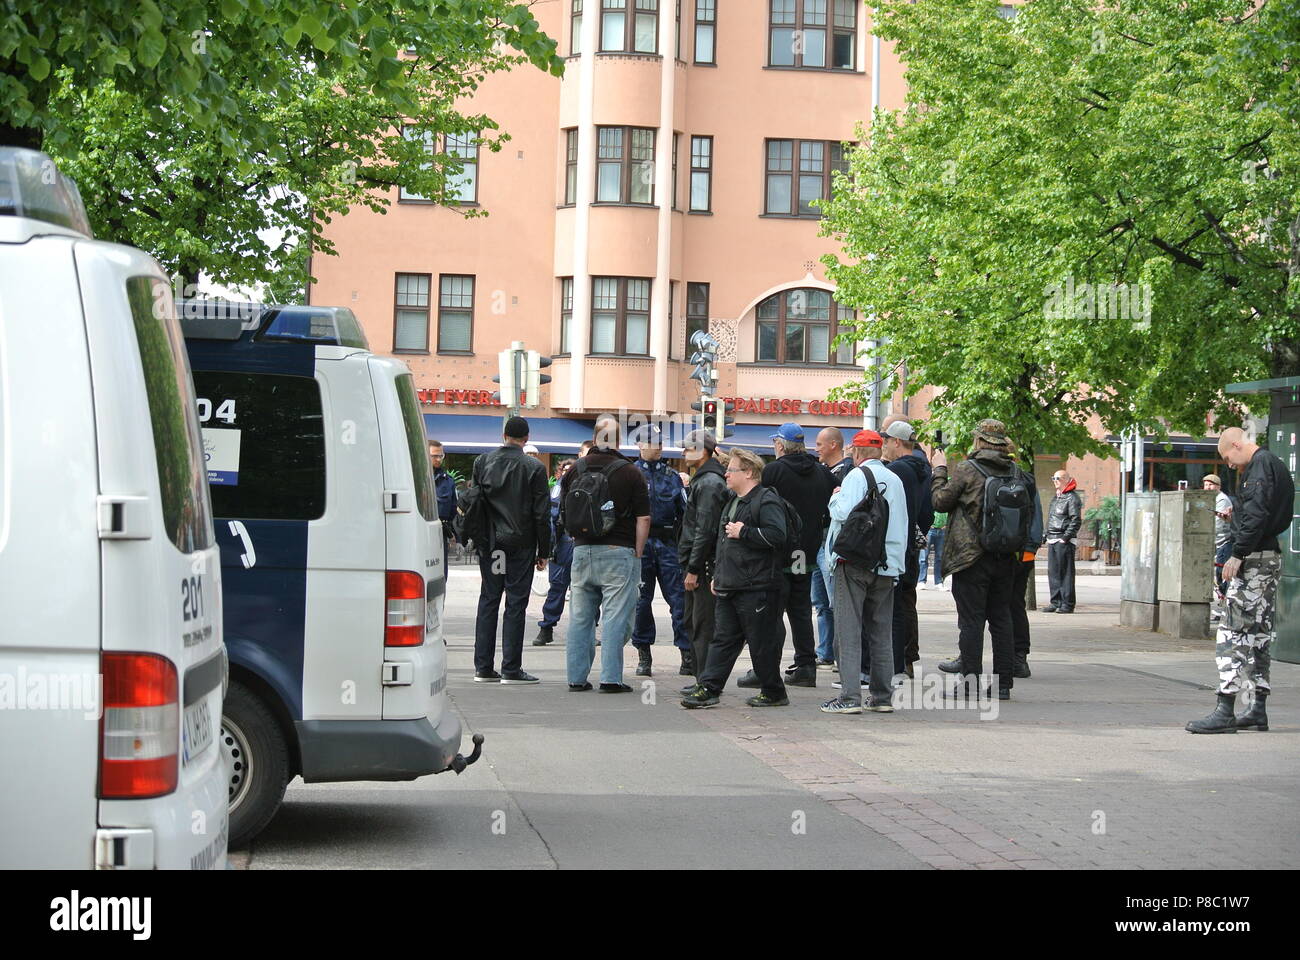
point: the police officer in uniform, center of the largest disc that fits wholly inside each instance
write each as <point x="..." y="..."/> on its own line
<point x="659" y="561"/>
<point x="1241" y="650"/>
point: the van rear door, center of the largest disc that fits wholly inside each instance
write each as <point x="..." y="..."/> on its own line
<point x="415" y="660"/>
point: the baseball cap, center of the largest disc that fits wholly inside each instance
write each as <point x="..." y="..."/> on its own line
<point x="868" y="438"/>
<point x="698" y="439"/>
<point x="900" y="430"/>
<point x="516" y="428"/>
<point x="788" y="431"/>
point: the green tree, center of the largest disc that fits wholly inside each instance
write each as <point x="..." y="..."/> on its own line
<point x="196" y="130"/>
<point x="1121" y="146"/>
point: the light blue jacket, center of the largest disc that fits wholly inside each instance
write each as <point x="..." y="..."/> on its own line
<point x="851" y="493"/>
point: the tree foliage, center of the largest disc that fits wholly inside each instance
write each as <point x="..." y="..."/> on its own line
<point x="1147" y="150"/>
<point x="223" y="136"/>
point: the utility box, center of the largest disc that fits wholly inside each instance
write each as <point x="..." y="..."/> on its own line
<point x="1186" y="565"/>
<point x="1138" y="606"/>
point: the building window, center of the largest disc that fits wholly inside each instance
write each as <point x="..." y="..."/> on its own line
<point x="791" y="191"/>
<point x="411" y="316"/>
<point x="629" y="26"/>
<point x="672" y="302"/>
<point x="455" y="314"/>
<point x="697" y="309"/>
<point x="575" y="28"/>
<point x="570" y="167"/>
<point x="463" y="186"/>
<point x="799" y="326"/>
<point x="1007" y="12"/>
<point x="701" y="174"/>
<point x="410" y="133"/>
<point x="706" y="30"/>
<point x="676" y="143"/>
<point x="625" y="165"/>
<point x="798" y="34"/>
<point x="566" y="314"/>
<point x="620" y="316"/>
<point x="679" y="29"/>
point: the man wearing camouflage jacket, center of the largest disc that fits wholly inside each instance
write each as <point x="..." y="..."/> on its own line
<point x="1245" y="633"/>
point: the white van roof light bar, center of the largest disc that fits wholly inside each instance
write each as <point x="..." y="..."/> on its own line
<point x="31" y="186"/>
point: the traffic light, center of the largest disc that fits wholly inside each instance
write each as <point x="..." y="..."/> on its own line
<point x="508" y="395"/>
<point x="713" y="416"/>
<point x="534" y="378"/>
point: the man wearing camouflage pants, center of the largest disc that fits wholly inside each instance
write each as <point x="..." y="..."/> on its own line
<point x="1251" y="574"/>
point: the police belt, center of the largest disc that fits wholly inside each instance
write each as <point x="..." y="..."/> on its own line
<point x="663" y="533"/>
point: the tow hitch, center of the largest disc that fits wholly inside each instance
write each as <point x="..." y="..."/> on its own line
<point x="459" y="762"/>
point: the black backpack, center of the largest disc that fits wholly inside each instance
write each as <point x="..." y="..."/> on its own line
<point x="861" y="540"/>
<point x="1007" y="511"/>
<point x="588" y="507"/>
<point x="471" y="520"/>
<point x="793" y="528"/>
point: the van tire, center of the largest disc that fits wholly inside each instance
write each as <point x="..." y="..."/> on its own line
<point x="253" y="744"/>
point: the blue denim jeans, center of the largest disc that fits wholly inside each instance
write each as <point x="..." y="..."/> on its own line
<point x="934" y="555"/>
<point x="822" y="587"/>
<point x="557" y="572"/>
<point x="606" y="580"/>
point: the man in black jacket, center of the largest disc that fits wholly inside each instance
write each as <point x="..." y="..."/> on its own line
<point x="519" y="537"/>
<point x="830" y="451"/>
<point x="806" y="485"/>
<point x="752" y="546"/>
<point x="698" y="540"/>
<point x="1267" y="495"/>
<point x="916" y="476"/>
<point x="1064" y="517"/>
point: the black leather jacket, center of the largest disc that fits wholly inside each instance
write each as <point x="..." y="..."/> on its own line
<point x="1267" y="504"/>
<point x="755" y="559"/>
<point x="704" y="499"/>
<point x="1064" y="516"/>
<point x="518" y="500"/>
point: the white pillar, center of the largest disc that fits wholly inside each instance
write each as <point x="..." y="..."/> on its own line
<point x="660" y="290"/>
<point x="580" y="332"/>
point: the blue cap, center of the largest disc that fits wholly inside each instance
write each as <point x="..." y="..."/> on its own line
<point x="789" y="431"/>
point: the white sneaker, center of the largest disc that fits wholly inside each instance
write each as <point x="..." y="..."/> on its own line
<point x="923" y="586"/>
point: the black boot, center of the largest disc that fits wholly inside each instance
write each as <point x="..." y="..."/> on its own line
<point x="687" y="668"/>
<point x="544" y="636"/>
<point x="1255" y="718"/>
<point x="802" y="677"/>
<point x="1220" y="721"/>
<point x="1021" y="670"/>
<point x="643" y="666"/>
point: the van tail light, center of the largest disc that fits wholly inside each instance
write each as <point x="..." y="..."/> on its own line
<point x="140" y="728"/>
<point x="404" y="626"/>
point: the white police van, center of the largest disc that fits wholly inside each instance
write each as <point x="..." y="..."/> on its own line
<point x="331" y="554"/>
<point x="112" y="667"/>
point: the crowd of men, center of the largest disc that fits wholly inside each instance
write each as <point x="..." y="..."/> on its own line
<point x="834" y="543"/>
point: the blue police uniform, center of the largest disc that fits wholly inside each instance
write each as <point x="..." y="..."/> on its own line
<point x="560" y="567"/>
<point x="445" y="488"/>
<point x="659" y="561"/>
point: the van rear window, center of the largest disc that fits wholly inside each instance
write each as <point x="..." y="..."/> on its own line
<point x="264" y="444"/>
<point x="176" y="443"/>
<point x="418" y="447"/>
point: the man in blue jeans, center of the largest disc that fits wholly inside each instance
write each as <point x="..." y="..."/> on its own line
<point x="830" y="451"/>
<point x="606" y="572"/>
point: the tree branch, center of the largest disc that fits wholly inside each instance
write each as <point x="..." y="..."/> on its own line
<point x="1224" y="237"/>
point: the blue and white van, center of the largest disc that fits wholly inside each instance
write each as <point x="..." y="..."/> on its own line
<point x="112" y="668"/>
<point x="331" y="555"/>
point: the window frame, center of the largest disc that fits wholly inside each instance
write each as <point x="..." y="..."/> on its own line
<point x="631" y="10"/>
<point x="794" y="174"/>
<point x="575" y="28"/>
<point x="621" y="313"/>
<point x="829" y="27"/>
<point x="472" y="144"/>
<point x="695" y="320"/>
<point x="626" y="163"/>
<point x="707" y="172"/>
<point x="711" y="25"/>
<point x="398" y="307"/>
<point x="430" y="148"/>
<point x="570" y="166"/>
<point x="473" y="290"/>
<point x="430" y="145"/>
<point x="782" y="318"/>
<point x="566" y="312"/>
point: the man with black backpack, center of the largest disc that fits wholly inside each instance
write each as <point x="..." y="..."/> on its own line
<point x="753" y="542"/>
<point x="507" y="514"/>
<point x="605" y="507"/>
<point x="990" y="510"/>
<point x="868" y="543"/>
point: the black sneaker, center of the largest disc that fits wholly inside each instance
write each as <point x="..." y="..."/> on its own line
<point x="1021" y="669"/>
<point x="487" y="676"/>
<point x="579" y="687"/>
<point x="1049" y="609"/>
<point x="749" y="680"/>
<point x="763" y="700"/>
<point x="615" y="688"/>
<point x="688" y="689"/>
<point x="951" y="666"/>
<point x="701" y="697"/>
<point x="544" y="636"/>
<point x="519" y="677"/>
<point x="803" y="677"/>
<point x="1004" y="693"/>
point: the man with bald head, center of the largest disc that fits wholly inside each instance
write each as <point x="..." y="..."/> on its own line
<point x="830" y="451"/>
<point x="1241" y="650"/>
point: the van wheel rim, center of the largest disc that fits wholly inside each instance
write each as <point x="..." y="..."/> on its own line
<point x="238" y="760"/>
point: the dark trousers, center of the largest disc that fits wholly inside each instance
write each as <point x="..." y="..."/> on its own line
<point x="1060" y="574"/>
<point x="557" y="572"/>
<point x="1016" y="606"/>
<point x="510" y="573"/>
<point x="659" y="562"/>
<point x="699" y="617"/>
<point x="905" y="629"/>
<point x="740" y="617"/>
<point x="983" y="594"/>
<point x="796" y="602"/>
<point x="1221" y="555"/>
